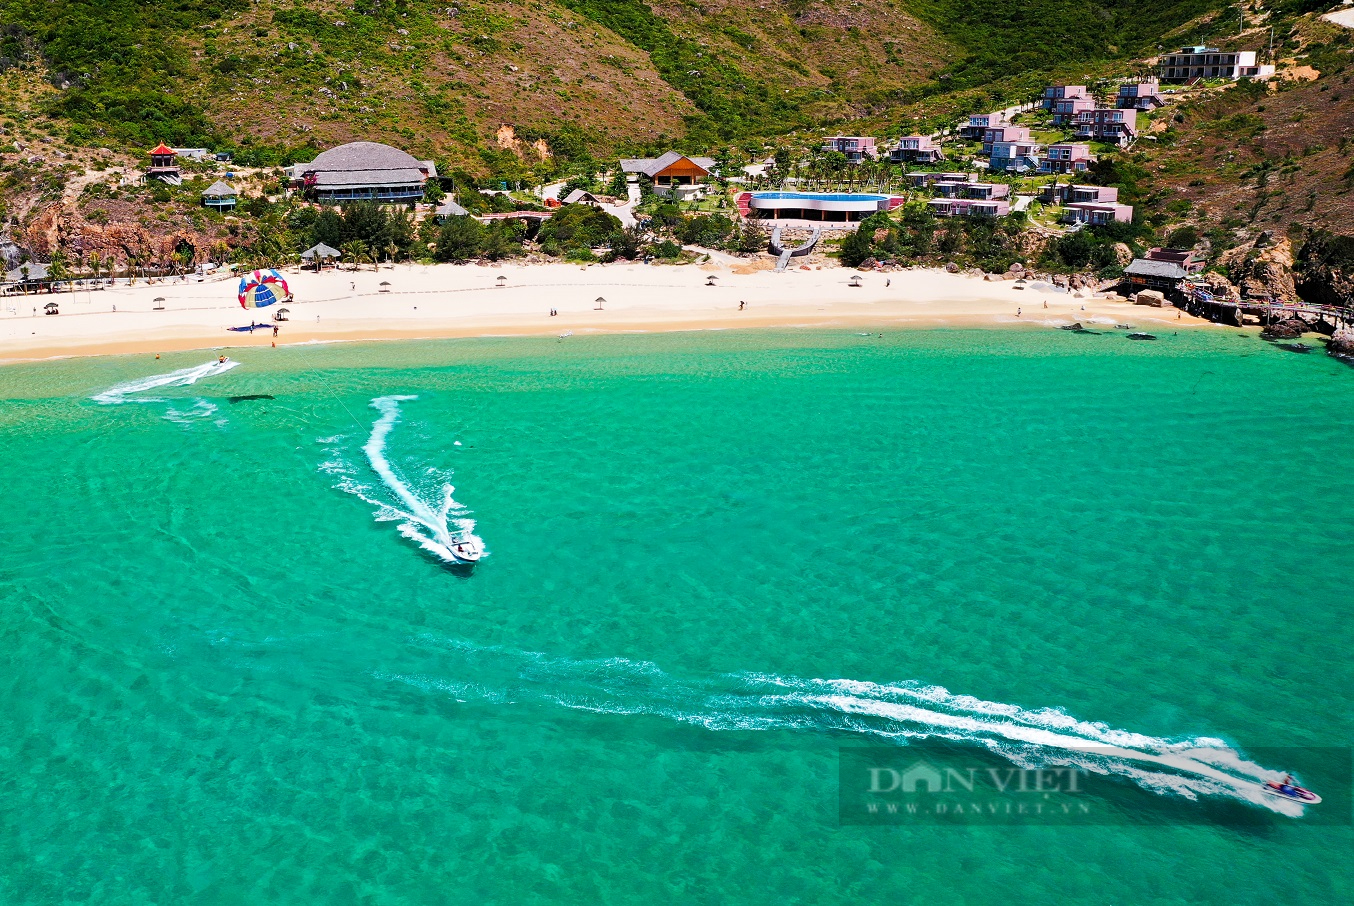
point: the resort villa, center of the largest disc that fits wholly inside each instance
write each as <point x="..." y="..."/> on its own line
<point x="163" y="167"/>
<point x="979" y="123"/>
<point x="220" y="196"/>
<point x="967" y="207"/>
<point x="1189" y="63"/>
<point x="920" y="179"/>
<point x="1140" y="95"/>
<point x="1055" y="93"/>
<point x="1004" y="133"/>
<point x="1066" y="157"/>
<point x="916" y="149"/>
<point x="1066" y="101"/>
<point x="673" y="173"/>
<point x="363" y="171"/>
<point x="856" y="147"/>
<point x="1088" y="204"/>
<point x="1111" y="126"/>
<point x="1019" y="156"/>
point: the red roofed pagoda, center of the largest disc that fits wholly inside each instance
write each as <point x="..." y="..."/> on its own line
<point x="162" y="166"/>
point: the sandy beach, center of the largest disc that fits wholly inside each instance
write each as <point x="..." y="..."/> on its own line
<point x="428" y="301"/>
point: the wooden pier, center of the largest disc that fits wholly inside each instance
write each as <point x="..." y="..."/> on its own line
<point x="1321" y="318"/>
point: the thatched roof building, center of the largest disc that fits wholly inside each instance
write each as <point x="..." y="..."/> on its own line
<point x="361" y="171"/>
<point x="220" y="195"/>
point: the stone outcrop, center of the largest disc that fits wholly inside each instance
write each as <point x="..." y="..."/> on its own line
<point x="1342" y="343"/>
<point x="1291" y="329"/>
<point x="1326" y="270"/>
<point x="1149" y="297"/>
<point x="1263" y="270"/>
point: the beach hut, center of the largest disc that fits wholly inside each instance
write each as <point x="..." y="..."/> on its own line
<point x="320" y="254"/>
<point x="281" y="314"/>
<point x="600" y="302"/>
<point x="159" y="303"/>
<point x="502" y="281"/>
<point x="52" y="308"/>
<point x="220" y="196"/>
<point x="385" y="286"/>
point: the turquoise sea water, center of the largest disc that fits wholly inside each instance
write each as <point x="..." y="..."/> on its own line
<point x="229" y="676"/>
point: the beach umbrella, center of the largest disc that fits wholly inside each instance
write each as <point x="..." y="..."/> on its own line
<point x="261" y="289"/>
<point x="50" y="306"/>
<point x="855" y="281"/>
<point x="710" y="280"/>
<point x="502" y="281"/>
<point x="600" y="302"/>
<point x="159" y="303"/>
<point x="385" y="286"/>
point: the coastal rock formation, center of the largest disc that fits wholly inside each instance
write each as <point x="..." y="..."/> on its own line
<point x="1263" y="270"/>
<point x="1219" y="285"/>
<point x="1291" y="329"/>
<point x="1123" y="254"/>
<point x="1325" y="269"/>
<point x="1149" y="297"/>
<point x="1342" y="343"/>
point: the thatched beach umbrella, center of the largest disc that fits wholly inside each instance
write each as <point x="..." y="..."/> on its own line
<point x="710" y="280"/>
<point x="281" y="314"/>
<point x="385" y="286"/>
<point x="319" y="253"/>
<point x="855" y="281"/>
<point x="502" y="281"/>
<point x="159" y="303"/>
<point x="600" y="302"/>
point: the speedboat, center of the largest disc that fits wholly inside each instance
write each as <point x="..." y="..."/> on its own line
<point x="465" y="550"/>
<point x="1286" y="789"/>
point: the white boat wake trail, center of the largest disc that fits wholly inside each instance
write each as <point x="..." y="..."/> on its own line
<point x="897" y="712"/>
<point x="184" y="377"/>
<point x="430" y="525"/>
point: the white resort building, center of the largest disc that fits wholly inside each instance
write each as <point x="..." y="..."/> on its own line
<point x="1200" y="62"/>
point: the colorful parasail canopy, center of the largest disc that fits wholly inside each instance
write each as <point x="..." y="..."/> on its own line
<point x="262" y="288"/>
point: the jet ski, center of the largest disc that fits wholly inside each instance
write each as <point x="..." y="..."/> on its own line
<point x="1287" y="789"/>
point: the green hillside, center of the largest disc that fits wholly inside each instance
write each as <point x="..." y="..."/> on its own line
<point x="275" y="79"/>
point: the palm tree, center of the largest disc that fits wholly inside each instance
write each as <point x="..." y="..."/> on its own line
<point x="354" y="252"/>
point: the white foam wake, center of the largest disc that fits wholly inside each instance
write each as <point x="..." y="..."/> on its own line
<point x="184" y="377"/>
<point x="1187" y="767"/>
<point x="429" y="524"/>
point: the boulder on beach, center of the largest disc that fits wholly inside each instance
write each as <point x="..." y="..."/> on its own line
<point x="951" y="267"/>
<point x="1011" y="275"/>
<point x="1342" y="342"/>
<point x="1149" y="297"/>
<point x="1016" y="268"/>
<point x="993" y="278"/>
<point x="1290" y="329"/>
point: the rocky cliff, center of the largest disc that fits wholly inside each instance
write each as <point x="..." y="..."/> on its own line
<point x="1325" y="269"/>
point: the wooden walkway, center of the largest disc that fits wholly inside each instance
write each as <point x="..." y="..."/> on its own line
<point x="1326" y="317"/>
